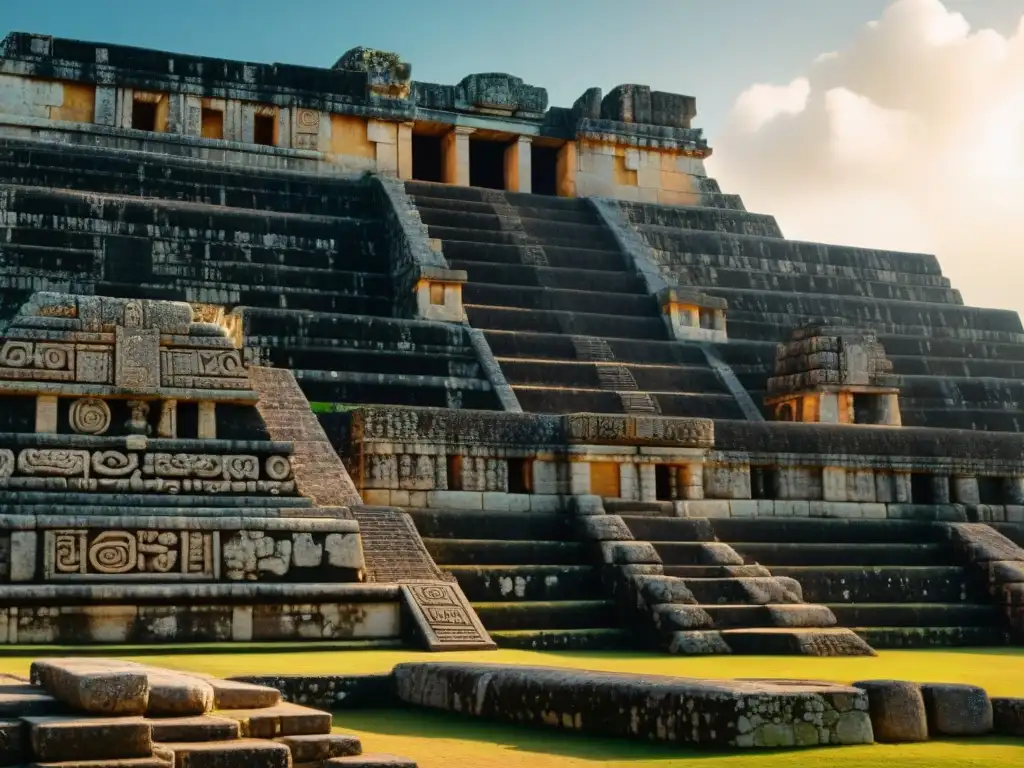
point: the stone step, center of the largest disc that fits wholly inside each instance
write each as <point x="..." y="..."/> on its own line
<point x="141" y="217"/>
<point x="317" y="748"/>
<point x="938" y="348"/>
<point x="240" y="753"/>
<point x="696" y="553"/>
<point x="147" y="165"/>
<point x="516" y="526"/>
<point x="564" y="639"/>
<point x="702" y="218"/>
<point x="915" y="614"/>
<point x="193" y="729"/>
<point x="22" y="259"/>
<point x="536" y="399"/>
<point x="933" y="637"/>
<point x="817" y="531"/>
<point x="626" y="507"/>
<point x="857" y="584"/>
<point x="667" y="528"/>
<point x="729" y="590"/>
<point x="479" y="194"/>
<point x="786" y="283"/>
<point x="462" y="364"/>
<point x="585" y="375"/>
<point x="778" y="327"/>
<point x="132" y="184"/>
<point x="510" y="219"/>
<point x="58" y="738"/>
<point x="280" y="720"/>
<point x="353" y="256"/>
<point x="785" y="641"/>
<point x="562" y="614"/>
<point x="958" y="367"/>
<point x="864" y="554"/>
<point x="550" y="277"/>
<point x="550" y="299"/>
<point x="367" y="332"/>
<point x="137" y="762"/>
<point x="429" y="200"/>
<point x="549" y="236"/>
<point x="513" y="583"/>
<point x="349" y="283"/>
<point x="716" y="571"/>
<point x="395" y="389"/>
<point x="372" y="760"/>
<point x="557" y="346"/>
<point x="763" y="616"/>
<point x="778" y="249"/>
<point x="505" y="318"/>
<point x="513" y="254"/>
<point x="215" y="504"/>
<point x="479" y="552"/>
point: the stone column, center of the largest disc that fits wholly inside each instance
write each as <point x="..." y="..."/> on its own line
<point x="566" y="167"/>
<point x="940" y="489"/>
<point x="828" y="408"/>
<point x="456" y="156"/>
<point x="902" y="493"/>
<point x="46" y="414"/>
<point x="384" y="136"/>
<point x="579" y="478"/>
<point x="1013" y="490"/>
<point x="965" y="490"/>
<point x="519" y="165"/>
<point x="890" y="410"/>
<point x="105" y="105"/>
<point x="168" y="424"/>
<point x="648" y="483"/>
<point x="405" y="151"/>
<point x="629" y="481"/>
<point x="833" y="483"/>
<point x="691" y="482"/>
<point x="207" y="421"/>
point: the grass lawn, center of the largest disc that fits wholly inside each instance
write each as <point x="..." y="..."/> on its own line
<point x="437" y="740"/>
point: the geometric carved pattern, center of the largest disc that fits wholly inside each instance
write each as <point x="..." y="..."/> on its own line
<point x="444" y="617"/>
<point x="89" y="417"/>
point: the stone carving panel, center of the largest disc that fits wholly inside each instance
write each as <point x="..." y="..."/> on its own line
<point x="76" y="554"/>
<point x="6" y="463"/>
<point x="40" y="361"/>
<point x="203" y="368"/>
<point x="251" y="554"/>
<point x="307" y="121"/>
<point x="138" y="358"/>
<point x="444" y="617"/>
<point x="89" y="417"/>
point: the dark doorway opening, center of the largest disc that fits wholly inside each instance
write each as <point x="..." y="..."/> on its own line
<point x="544" y="170"/>
<point x="762" y="483"/>
<point x="427" y="158"/>
<point x="212" y="123"/>
<point x="520" y="476"/>
<point x="487" y="164"/>
<point x="453" y="465"/>
<point x="263" y="130"/>
<point x="922" y="489"/>
<point x="144" y="116"/>
<point x="867" y="409"/>
<point x="663" y="482"/>
<point x="992" y="490"/>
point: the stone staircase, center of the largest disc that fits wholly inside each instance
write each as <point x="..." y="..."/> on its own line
<point x="531" y="583"/>
<point x="958" y="367"/>
<point x="305" y="256"/>
<point x="735" y="607"/>
<point x="896" y="583"/>
<point x="572" y="327"/>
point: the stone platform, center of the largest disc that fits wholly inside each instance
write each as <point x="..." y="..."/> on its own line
<point x="104" y="713"/>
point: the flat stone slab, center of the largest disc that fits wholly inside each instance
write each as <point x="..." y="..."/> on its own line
<point x="232" y="694"/>
<point x="137" y="762"/>
<point x="177" y="695"/>
<point x="94" y="686"/>
<point x="823" y="641"/>
<point x="21" y="699"/>
<point x="699" y="713"/>
<point x="317" y="748"/>
<point x="371" y="761"/>
<point x="241" y="753"/>
<point x="281" y="720"/>
<point x="201" y="728"/>
<point x="60" y="739"/>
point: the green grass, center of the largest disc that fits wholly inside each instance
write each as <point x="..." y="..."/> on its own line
<point x="438" y="740"/>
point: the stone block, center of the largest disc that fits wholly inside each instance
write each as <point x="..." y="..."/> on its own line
<point x="710" y="508"/>
<point x="163" y="760"/>
<point x="697" y="643"/>
<point x="242" y="753"/>
<point x="318" y="747"/>
<point x="792" y="509"/>
<point x="93" y="687"/>
<point x="675" y="618"/>
<point x="602" y="528"/>
<point x="1008" y="716"/>
<point x="455" y="500"/>
<point x="628" y="553"/>
<point x="957" y="710"/>
<point x="670" y="590"/>
<point x="233" y="694"/>
<point x="897" y="710"/>
<point x="56" y="739"/>
<point x="280" y="720"/>
<point x="23" y="555"/>
<point x="370" y="761"/>
<point x="587" y="504"/>
<point x="177" y="695"/>
<point x="801" y="615"/>
<point x="14" y="746"/>
<point x="18" y="699"/>
<point x="201" y="728"/>
<point x="743" y="508"/>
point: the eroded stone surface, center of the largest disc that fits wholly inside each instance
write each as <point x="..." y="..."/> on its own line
<point x="1008" y="716"/>
<point x="957" y="710"/>
<point x="897" y="710"/>
<point x="94" y="687"/>
<point x="315" y="747"/>
<point x="57" y="739"/>
<point x="242" y="753"/>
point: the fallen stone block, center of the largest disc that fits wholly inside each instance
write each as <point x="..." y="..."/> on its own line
<point x="13" y="743"/>
<point x="280" y="720"/>
<point x="897" y="710"/>
<point x="957" y="710"/>
<point x="59" y="739"/>
<point x="176" y="695"/>
<point x="370" y="761"/>
<point x="94" y="687"/>
<point x="314" y="748"/>
<point x="697" y="643"/>
<point x="1008" y="716"/>
<point x="723" y="713"/>
<point x="242" y="753"/>
<point x="201" y="728"/>
<point x="232" y="694"/>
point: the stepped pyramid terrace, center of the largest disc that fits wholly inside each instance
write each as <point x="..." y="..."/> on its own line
<point x="293" y="353"/>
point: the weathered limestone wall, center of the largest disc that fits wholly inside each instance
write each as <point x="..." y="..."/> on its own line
<point x="632" y="174"/>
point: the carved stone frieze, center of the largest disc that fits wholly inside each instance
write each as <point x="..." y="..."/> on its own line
<point x="89" y="416"/>
<point x="74" y="554"/>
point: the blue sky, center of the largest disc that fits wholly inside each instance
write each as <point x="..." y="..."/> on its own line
<point x="711" y="49"/>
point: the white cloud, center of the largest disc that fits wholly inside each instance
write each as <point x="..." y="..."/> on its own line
<point x="910" y="138"/>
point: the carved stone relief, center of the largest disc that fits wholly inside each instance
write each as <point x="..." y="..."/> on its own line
<point x="89" y="417"/>
<point x="71" y="554"/>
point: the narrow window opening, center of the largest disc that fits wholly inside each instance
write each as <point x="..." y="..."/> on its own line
<point x="263" y="130"/>
<point x="144" y="115"/>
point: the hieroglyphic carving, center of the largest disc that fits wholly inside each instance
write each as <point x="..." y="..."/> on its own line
<point x="93" y="365"/>
<point x="17" y="354"/>
<point x="89" y="417"/>
<point x="77" y="553"/>
<point x="278" y="468"/>
<point x="307" y="121"/>
<point x="6" y="462"/>
<point x="114" y="463"/>
<point x="137" y="351"/>
<point x="44" y="361"/>
<point x="444" y="617"/>
<point x="662" y="430"/>
<point x="55" y="357"/>
<point x="53" y="462"/>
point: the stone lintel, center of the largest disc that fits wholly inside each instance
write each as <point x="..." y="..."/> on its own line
<point x="69" y="389"/>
